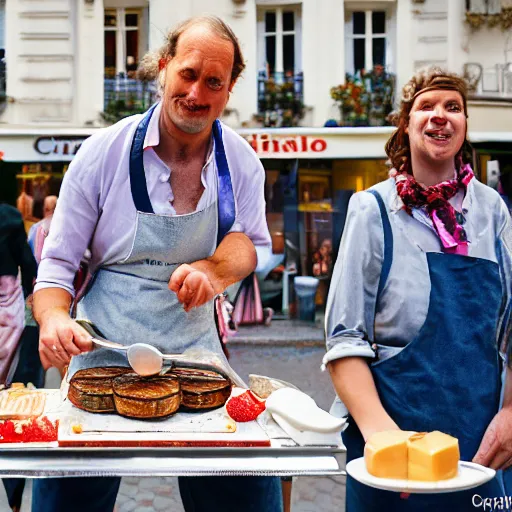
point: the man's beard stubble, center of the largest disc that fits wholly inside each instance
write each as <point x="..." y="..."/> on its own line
<point x="190" y="126"/>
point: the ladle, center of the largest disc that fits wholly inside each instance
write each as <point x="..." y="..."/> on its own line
<point x="145" y="359"/>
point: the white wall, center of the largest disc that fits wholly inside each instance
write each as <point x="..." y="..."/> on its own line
<point x="488" y="46"/>
<point x="485" y="45"/>
<point x="89" y="48"/>
<point x="40" y="61"/>
<point x="323" y="55"/>
<point x="54" y="52"/>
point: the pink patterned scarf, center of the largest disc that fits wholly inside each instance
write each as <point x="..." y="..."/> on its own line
<point x="436" y="200"/>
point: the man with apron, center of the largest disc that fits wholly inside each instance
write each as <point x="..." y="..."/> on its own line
<point x="159" y="253"/>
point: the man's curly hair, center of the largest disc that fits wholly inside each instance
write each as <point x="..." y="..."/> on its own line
<point x="398" y="146"/>
<point x="150" y="66"/>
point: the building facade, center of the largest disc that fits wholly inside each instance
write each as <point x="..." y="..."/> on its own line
<point x="58" y="54"/>
<point x="327" y="70"/>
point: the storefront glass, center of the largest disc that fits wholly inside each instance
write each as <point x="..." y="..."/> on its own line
<point x="26" y="185"/>
<point x="307" y="202"/>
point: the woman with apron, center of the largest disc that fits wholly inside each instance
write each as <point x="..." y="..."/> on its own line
<point x="419" y="308"/>
<point x="135" y="294"/>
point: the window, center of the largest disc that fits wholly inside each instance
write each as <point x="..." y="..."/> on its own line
<point x="279" y="41"/>
<point x="484" y="6"/>
<point x="367" y="40"/>
<point x="122" y="41"/>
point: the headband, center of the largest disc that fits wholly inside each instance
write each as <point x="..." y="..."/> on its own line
<point x="442" y="88"/>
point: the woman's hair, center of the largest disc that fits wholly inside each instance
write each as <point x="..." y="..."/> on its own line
<point x="150" y="67"/>
<point x="398" y="146"/>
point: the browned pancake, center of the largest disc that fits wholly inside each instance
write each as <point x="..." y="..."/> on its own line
<point x="91" y="389"/>
<point x="146" y="397"/>
<point x="202" y="389"/>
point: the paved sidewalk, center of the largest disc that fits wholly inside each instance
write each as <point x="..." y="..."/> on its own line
<point x="281" y="332"/>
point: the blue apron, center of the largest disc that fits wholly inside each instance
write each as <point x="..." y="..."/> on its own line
<point x="130" y="301"/>
<point x="447" y="378"/>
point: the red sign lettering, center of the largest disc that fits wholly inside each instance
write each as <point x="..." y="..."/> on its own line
<point x="268" y="144"/>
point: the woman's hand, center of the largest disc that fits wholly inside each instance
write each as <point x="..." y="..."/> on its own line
<point x="61" y="338"/>
<point x="496" y="447"/>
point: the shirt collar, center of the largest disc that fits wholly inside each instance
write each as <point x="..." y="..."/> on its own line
<point x="152" y="137"/>
<point x="395" y="201"/>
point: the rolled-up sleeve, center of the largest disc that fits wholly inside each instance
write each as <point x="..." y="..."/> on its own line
<point x="73" y="222"/>
<point x="350" y="312"/>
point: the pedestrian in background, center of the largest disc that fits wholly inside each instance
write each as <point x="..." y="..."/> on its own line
<point x="418" y="316"/>
<point x="29" y="369"/>
<point x="39" y="231"/>
<point x="15" y="258"/>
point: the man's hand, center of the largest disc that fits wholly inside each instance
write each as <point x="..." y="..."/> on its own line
<point x="192" y="286"/>
<point x="496" y="447"/>
<point x="197" y="283"/>
<point x="60" y="338"/>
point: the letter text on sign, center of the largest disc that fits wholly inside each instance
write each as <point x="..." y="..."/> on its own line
<point x="268" y="144"/>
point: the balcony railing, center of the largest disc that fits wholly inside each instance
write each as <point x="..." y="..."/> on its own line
<point x="280" y="99"/>
<point x="493" y="82"/>
<point x="127" y="96"/>
<point x="366" y="98"/>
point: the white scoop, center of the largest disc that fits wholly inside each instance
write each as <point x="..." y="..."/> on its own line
<point x="145" y="359"/>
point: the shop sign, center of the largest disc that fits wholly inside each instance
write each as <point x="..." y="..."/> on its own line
<point x="279" y="145"/>
<point x="58" y="148"/>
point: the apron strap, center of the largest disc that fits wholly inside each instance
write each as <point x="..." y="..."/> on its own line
<point x="226" y="201"/>
<point x="137" y="176"/>
<point x="388" y="241"/>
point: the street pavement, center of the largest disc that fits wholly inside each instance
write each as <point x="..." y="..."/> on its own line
<point x="287" y="350"/>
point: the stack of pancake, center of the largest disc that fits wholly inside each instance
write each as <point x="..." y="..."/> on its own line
<point x="118" y="389"/>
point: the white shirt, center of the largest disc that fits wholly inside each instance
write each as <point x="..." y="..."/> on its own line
<point x="96" y="210"/>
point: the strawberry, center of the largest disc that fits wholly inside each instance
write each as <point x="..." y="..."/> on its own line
<point x="244" y="407"/>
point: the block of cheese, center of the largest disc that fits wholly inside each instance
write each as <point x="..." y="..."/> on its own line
<point x="433" y="456"/>
<point x="385" y="454"/>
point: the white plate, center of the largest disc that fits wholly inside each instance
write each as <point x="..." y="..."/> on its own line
<point x="470" y="475"/>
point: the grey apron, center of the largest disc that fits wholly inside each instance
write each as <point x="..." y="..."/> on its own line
<point x="130" y="301"/>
